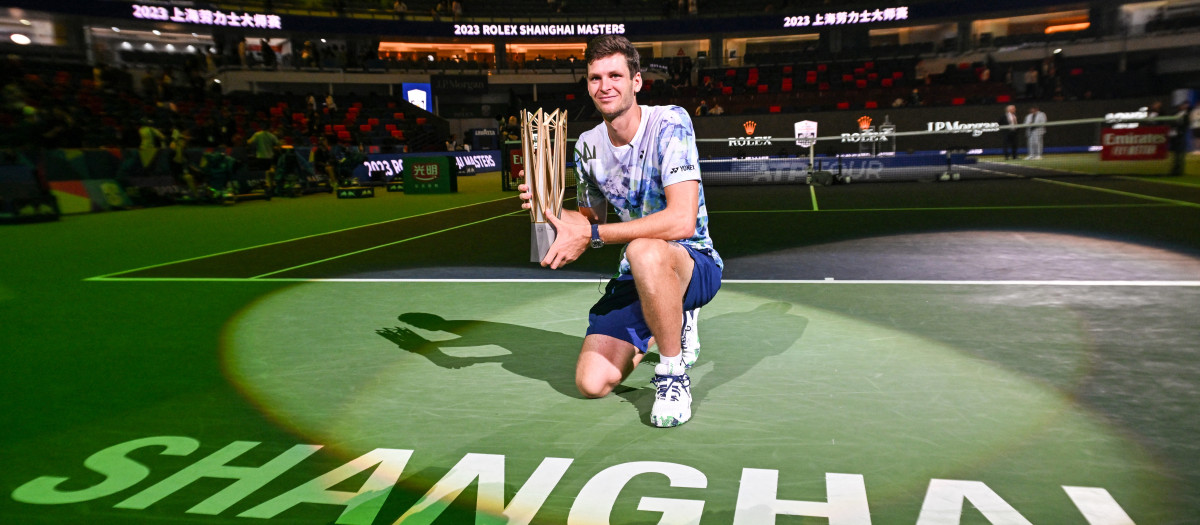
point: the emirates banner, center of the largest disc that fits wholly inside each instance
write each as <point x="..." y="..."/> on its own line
<point x="1140" y="143"/>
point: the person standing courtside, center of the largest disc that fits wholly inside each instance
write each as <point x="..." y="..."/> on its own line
<point x="643" y="161"/>
<point x="1037" y="132"/>
<point x="1009" y="124"/>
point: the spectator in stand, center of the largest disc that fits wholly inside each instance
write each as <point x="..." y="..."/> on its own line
<point x="438" y="11"/>
<point x="1031" y="82"/>
<point x="702" y="109"/>
<point x="268" y="53"/>
<point x="400" y="9"/>
<point x="452" y="143"/>
<point x="512" y="129"/>
<point x="330" y="104"/>
<point x="264" y="143"/>
<point x="151" y="140"/>
<point x="716" y="109"/>
<point x="456" y="8"/>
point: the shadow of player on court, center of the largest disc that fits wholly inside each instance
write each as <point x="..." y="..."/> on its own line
<point x="731" y="345"/>
<point x="542" y="355"/>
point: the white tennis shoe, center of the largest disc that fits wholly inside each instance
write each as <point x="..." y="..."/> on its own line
<point x="672" y="397"/>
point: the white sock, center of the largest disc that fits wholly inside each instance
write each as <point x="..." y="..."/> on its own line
<point x="671" y="366"/>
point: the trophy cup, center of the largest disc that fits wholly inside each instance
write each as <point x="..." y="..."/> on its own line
<point x="544" y="144"/>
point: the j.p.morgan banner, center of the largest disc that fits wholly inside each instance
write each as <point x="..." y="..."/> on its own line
<point x="1140" y="143"/>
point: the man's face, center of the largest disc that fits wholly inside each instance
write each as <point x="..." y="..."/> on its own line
<point x="611" y="86"/>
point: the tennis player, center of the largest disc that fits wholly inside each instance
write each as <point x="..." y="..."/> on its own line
<point x="643" y="161"/>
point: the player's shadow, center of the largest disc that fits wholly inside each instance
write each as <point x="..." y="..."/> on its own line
<point x="537" y="354"/>
<point x="730" y="345"/>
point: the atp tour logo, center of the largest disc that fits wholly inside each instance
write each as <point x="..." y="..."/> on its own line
<point x="749" y="126"/>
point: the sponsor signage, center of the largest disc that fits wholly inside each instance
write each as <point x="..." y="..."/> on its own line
<point x="749" y="126"/>
<point x="865" y="136"/>
<point x="469" y="164"/>
<point x="538" y="29"/>
<point x="806" y="133"/>
<point x="1140" y="143"/>
<point x="844" y="18"/>
<point x="1116" y="119"/>
<point x="419" y="94"/>
<point x="208" y="17"/>
<point x="356" y="193"/>
<point x="459" y="84"/>
<point x="974" y="128"/>
<point x="429" y="175"/>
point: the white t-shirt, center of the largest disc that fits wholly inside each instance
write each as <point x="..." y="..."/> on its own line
<point x="633" y="177"/>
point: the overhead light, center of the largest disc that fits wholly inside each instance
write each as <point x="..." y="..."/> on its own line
<point x="194" y="35"/>
<point x="20" y="39"/>
<point x="1061" y="28"/>
<point x="25" y="22"/>
<point x="216" y="81"/>
<point x="191" y="49"/>
<point x="157" y="32"/>
<point x="116" y="29"/>
<point x="1057" y="50"/>
<point x="171" y="47"/>
<point x="148" y="46"/>
<point x="126" y="45"/>
<point x="322" y="40"/>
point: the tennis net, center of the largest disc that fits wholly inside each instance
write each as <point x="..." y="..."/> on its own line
<point x="1130" y="145"/>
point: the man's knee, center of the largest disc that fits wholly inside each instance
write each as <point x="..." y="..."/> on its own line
<point x="592" y="386"/>
<point x="648" y="254"/>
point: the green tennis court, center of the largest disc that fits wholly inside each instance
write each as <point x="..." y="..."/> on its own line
<point x="1003" y="350"/>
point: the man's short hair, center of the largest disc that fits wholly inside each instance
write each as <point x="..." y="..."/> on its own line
<point x="607" y="45"/>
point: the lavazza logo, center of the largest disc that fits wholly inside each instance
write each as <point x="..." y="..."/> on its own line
<point x="749" y="127"/>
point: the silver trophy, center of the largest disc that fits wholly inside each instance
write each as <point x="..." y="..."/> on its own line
<point x="544" y="143"/>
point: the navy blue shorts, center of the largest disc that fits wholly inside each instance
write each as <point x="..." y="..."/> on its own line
<point x="619" y="312"/>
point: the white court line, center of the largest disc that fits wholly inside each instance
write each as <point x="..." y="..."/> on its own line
<point x="727" y="281"/>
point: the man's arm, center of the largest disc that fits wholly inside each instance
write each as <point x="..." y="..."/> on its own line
<point x="675" y="222"/>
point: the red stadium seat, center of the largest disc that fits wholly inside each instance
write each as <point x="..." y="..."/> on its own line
<point x="421" y="121"/>
<point x="373" y="121"/>
<point x="365" y="128"/>
<point x="390" y="127"/>
<point x="958" y="101"/>
<point x="398" y="134"/>
<point x="775" y="109"/>
<point x="398" y="116"/>
<point x="843" y="105"/>
<point x="871" y="104"/>
<point x="339" y="128"/>
<point x="762" y="88"/>
<point x="887" y="82"/>
<point x="860" y="83"/>
<point x="1003" y="98"/>
<point x="727" y="90"/>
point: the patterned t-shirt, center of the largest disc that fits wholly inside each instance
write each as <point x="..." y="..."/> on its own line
<point x="633" y="177"/>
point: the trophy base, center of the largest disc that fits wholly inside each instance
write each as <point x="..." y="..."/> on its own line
<point x="542" y="235"/>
